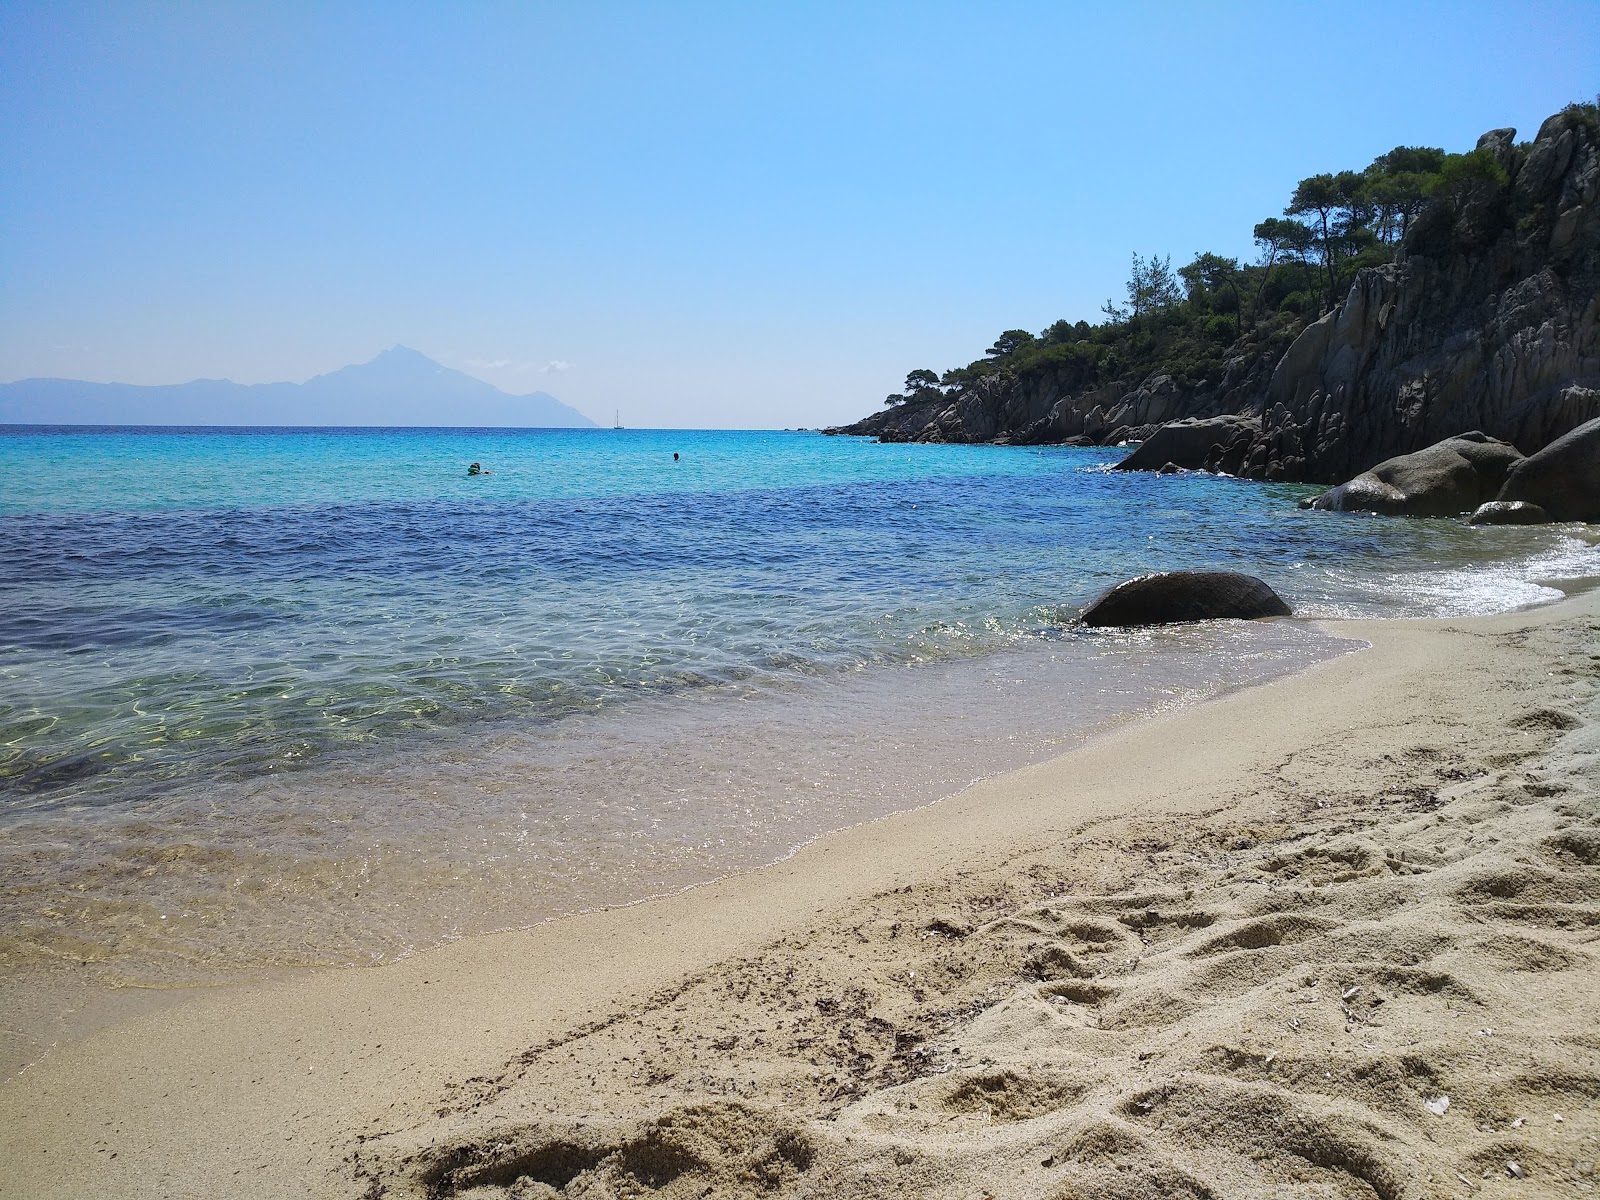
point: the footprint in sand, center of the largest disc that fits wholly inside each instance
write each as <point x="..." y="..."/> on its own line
<point x="1006" y="1096"/>
<point x="1109" y="1161"/>
<point x="708" y="1144"/>
<point x="1547" y="720"/>
<point x="1515" y="952"/>
<point x="1268" y="931"/>
<point x="1294" y="1141"/>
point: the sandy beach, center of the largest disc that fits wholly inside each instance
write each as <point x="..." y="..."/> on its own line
<point x="1333" y="936"/>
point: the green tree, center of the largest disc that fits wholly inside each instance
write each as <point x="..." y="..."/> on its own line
<point x="1115" y="313"/>
<point x="1398" y="185"/>
<point x="1463" y="177"/>
<point x="1279" y="238"/>
<point x="1409" y="160"/>
<point x="1210" y="278"/>
<point x="921" y="384"/>
<point x="1151" y="286"/>
<point x="1337" y="202"/>
<point x="1009" y="342"/>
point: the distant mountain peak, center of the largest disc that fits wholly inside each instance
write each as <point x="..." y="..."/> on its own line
<point x="403" y="354"/>
<point x="396" y="366"/>
<point x="396" y="360"/>
<point x="399" y="386"/>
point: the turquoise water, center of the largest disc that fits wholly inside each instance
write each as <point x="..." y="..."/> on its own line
<point x="273" y="664"/>
<point x="138" y="470"/>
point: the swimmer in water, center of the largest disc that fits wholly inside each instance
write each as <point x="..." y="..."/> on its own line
<point x="476" y="469"/>
<point x="674" y="456"/>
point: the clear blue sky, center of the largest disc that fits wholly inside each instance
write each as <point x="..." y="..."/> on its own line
<point x="724" y="215"/>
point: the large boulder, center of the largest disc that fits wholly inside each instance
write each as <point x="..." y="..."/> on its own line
<point x="1190" y="443"/>
<point x="1168" y="597"/>
<point x="1449" y="477"/>
<point x="1509" y="512"/>
<point x="1563" y="478"/>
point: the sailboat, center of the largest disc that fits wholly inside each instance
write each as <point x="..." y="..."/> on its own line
<point x="618" y="421"/>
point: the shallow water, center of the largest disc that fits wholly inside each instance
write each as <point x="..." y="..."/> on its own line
<point x="317" y="696"/>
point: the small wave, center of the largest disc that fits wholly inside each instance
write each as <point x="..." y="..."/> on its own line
<point x="1521" y="571"/>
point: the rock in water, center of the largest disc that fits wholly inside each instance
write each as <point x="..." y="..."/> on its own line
<point x="1189" y="443"/>
<point x="1172" y="596"/>
<point x="1509" y="512"/>
<point x="1563" y="478"/>
<point x="1449" y="477"/>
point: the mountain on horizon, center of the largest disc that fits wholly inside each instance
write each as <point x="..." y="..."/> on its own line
<point x="400" y="387"/>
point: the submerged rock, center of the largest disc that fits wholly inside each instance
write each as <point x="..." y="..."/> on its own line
<point x="1189" y="444"/>
<point x="1563" y="479"/>
<point x="1449" y="477"/>
<point x="1508" y="512"/>
<point x="1169" y="597"/>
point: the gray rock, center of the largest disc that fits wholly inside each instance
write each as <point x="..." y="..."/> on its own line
<point x="1188" y="443"/>
<point x="1452" y="476"/>
<point x="1547" y="162"/>
<point x="1508" y="512"/>
<point x="1563" y="478"/>
<point x="1502" y="144"/>
<point x="1169" y="597"/>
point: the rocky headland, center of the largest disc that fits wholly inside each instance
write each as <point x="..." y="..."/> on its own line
<point x="1484" y="318"/>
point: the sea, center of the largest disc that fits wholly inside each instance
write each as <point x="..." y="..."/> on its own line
<point x="311" y="697"/>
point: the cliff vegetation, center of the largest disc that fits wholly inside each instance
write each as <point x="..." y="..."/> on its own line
<point x="1346" y="339"/>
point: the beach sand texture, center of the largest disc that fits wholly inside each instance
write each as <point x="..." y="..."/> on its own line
<point x="1242" y="949"/>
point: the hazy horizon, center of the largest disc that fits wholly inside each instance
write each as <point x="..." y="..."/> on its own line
<point x="399" y="388"/>
<point x="708" y="216"/>
<point x="268" y="382"/>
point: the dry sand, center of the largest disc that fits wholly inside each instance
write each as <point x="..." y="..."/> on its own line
<point x="1233" y="951"/>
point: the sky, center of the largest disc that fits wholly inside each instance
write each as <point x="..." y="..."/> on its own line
<point x="735" y="215"/>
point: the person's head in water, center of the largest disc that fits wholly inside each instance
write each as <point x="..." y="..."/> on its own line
<point x="674" y="456"/>
<point x="475" y="469"/>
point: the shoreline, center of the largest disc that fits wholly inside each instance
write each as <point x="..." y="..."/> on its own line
<point x="729" y="782"/>
<point x="323" y="1084"/>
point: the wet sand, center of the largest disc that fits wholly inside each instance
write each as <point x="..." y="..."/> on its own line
<point x="1246" y="948"/>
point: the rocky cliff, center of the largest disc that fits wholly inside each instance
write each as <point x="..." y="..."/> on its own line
<point x="1489" y="319"/>
<point x="1056" y="407"/>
